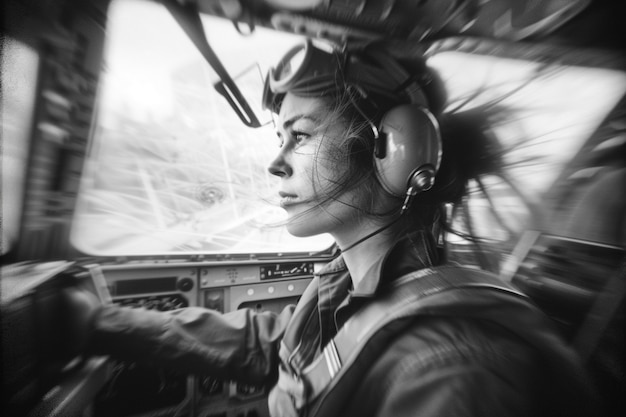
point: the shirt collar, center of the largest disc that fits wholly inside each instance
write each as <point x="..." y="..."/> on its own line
<point x="413" y="251"/>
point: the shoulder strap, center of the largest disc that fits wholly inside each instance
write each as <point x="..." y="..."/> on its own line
<point x="407" y="297"/>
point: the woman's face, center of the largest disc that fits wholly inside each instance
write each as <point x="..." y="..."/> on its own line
<point x="308" y="167"/>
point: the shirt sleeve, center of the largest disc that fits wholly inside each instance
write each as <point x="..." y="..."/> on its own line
<point x="241" y="345"/>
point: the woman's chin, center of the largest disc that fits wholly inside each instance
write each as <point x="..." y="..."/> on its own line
<point x="305" y="226"/>
<point x="301" y="230"/>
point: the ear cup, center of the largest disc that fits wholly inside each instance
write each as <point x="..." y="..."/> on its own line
<point x="412" y="147"/>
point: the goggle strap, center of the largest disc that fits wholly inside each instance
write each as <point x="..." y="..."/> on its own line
<point x="413" y="91"/>
<point x="399" y="80"/>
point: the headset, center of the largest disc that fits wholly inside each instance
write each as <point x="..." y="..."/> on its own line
<point x="407" y="151"/>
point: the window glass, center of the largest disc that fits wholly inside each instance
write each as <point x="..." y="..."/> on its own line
<point x="171" y="168"/>
<point x="19" y="79"/>
<point x="551" y="112"/>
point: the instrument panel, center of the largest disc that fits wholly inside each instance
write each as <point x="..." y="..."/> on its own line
<point x="262" y="286"/>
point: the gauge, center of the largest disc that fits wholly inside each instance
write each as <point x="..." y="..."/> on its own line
<point x="284" y="270"/>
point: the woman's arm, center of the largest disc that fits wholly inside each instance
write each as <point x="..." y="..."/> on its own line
<point x="240" y="345"/>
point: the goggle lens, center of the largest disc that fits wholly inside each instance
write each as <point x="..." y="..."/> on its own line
<point x="288" y="68"/>
<point x="305" y="69"/>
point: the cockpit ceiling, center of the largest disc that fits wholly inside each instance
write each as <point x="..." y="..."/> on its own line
<point x="576" y="23"/>
<point x="582" y="23"/>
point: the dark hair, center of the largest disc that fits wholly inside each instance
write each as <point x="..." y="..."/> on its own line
<point x="470" y="149"/>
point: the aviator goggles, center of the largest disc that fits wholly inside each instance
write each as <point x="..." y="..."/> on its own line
<point x="308" y="70"/>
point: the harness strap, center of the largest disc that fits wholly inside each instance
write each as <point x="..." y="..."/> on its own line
<point x="403" y="300"/>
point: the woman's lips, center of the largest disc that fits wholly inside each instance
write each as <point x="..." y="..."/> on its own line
<point x="287" y="199"/>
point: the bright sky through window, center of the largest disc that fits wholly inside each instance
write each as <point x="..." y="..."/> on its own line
<point x="172" y="169"/>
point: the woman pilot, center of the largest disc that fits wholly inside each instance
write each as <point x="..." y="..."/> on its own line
<point x="362" y="157"/>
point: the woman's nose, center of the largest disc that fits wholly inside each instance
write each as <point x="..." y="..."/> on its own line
<point x="279" y="166"/>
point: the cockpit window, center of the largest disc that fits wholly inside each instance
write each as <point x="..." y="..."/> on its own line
<point x="171" y="168"/>
<point x="550" y="110"/>
<point x="19" y="75"/>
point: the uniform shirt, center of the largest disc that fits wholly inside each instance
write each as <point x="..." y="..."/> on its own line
<point x="319" y="316"/>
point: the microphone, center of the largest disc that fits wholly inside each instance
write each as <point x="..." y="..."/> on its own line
<point x="422" y="179"/>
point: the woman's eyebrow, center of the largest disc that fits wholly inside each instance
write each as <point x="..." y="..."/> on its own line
<point x="288" y="123"/>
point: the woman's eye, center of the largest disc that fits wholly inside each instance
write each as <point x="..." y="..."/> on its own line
<point x="300" y="136"/>
<point x="296" y="137"/>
